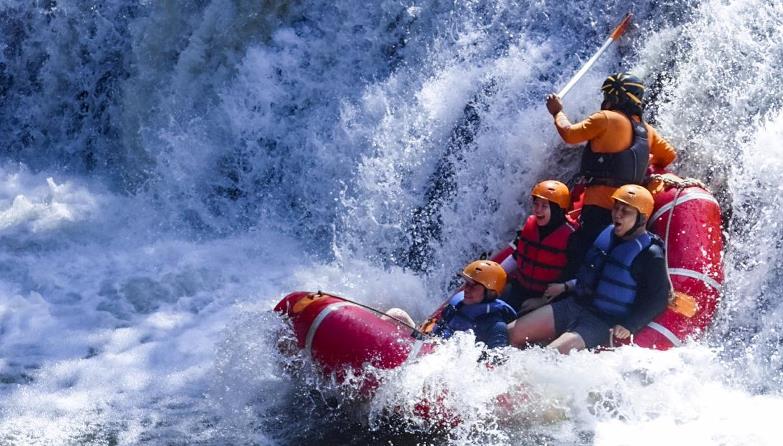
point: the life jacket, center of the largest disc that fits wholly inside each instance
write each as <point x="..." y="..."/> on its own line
<point x="617" y="169"/>
<point x="541" y="262"/>
<point x="605" y="275"/>
<point x="457" y="316"/>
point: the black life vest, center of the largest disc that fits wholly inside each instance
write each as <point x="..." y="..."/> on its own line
<point x="616" y="169"/>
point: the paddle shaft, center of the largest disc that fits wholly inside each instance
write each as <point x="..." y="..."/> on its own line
<point x="618" y="31"/>
<point x="416" y="332"/>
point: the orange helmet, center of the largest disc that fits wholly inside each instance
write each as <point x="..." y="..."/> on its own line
<point x="637" y="197"/>
<point x="488" y="273"/>
<point x="553" y="191"/>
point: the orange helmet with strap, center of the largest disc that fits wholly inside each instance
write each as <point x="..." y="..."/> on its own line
<point x="637" y="197"/>
<point x="553" y="191"/>
<point x="488" y="273"/>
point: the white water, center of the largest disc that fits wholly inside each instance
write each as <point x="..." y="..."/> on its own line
<point x="169" y="171"/>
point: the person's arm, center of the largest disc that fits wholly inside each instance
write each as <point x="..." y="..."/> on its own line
<point x="509" y="264"/>
<point x="575" y="253"/>
<point x="583" y="131"/>
<point x="649" y="270"/>
<point x="575" y="133"/>
<point x="492" y="331"/>
<point x="661" y="152"/>
<point x="567" y="280"/>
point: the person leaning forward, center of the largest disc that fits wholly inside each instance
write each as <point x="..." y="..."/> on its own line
<point x="619" y="147"/>
<point x="620" y="287"/>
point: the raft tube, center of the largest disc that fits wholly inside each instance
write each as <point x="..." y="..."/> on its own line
<point x="337" y="333"/>
<point x="688" y="220"/>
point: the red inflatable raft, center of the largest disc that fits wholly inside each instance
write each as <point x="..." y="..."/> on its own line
<point x="687" y="217"/>
<point x="339" y="334"/>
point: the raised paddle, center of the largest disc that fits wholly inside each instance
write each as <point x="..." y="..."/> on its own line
<point x="618" y="31"/>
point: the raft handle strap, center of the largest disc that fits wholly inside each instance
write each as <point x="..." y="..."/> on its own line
<point x="680" y="183"/>
<point x="415" y="332"/>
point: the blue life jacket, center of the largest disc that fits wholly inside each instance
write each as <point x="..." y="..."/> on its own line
<point x="457" y="316"/>
<point x="605" y="274"/>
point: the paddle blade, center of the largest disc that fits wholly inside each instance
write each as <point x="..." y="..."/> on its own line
<point x="622" y="26"/>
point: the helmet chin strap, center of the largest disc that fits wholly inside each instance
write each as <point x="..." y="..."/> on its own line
<point x="639" y="223"/>
<point x="488" y="295"/>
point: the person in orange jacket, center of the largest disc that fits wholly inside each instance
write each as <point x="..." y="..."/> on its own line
<point x="620" y="146"/>
<point x="543" y="255"/>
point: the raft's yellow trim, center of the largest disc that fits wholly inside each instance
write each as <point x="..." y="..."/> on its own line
<point x="302" y="303"/>
<point x="427" y="326"/>
<point x="684" y="304"/>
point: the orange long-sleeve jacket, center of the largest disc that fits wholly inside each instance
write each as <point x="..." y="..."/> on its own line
<point x="610" y="132"/>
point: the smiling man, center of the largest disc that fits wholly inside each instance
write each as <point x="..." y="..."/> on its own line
<point x="621" y="286"/>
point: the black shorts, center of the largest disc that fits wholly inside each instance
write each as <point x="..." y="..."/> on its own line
<point x="571" y="317"/>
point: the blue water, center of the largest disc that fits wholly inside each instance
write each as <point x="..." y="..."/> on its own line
<point x="170" y="170"/>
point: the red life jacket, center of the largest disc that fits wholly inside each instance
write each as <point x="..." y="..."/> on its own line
<point x="540" y="262"/>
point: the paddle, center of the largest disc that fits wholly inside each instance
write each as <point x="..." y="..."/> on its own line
<point x="618" y="31"/>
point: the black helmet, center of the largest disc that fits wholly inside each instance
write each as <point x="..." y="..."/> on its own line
<point x="624" y="88"/>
